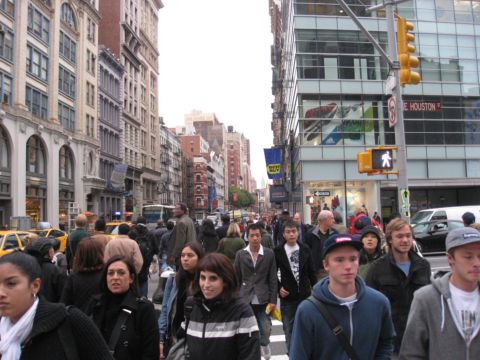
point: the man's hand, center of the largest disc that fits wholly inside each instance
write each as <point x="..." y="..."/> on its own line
<point x="283" y="293"/>
<point x="272" y="307"/>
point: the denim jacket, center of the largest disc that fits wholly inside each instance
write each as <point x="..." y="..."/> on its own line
<point x="169" y="296"/>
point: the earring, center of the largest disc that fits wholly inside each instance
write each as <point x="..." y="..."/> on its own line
<point x="34" y="295"/>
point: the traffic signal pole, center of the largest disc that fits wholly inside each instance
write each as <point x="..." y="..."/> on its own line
<point x="391" y="58"/>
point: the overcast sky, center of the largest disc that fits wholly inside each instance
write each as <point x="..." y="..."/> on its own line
<point x="215" y="57"/>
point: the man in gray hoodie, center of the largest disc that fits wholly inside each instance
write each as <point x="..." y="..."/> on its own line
<point x="444" y="319"/>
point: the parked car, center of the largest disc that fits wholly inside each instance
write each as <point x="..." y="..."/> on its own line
<point x="446" y="213"/>
<point x="430" y="235"/>
<point x="11" y="240"/>
<point x="58" y="234"/>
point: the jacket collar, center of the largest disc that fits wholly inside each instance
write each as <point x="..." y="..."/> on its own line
<point x="47" y="318"/>
<point x="260" y="252"/>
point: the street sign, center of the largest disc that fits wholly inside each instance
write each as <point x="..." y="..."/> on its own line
<point x="392" y="111"/>
<point x="390" y="84"/>
<point x="382" y="159"/>
<point x="321" y="193"/>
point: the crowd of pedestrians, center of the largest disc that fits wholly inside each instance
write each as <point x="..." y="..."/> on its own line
<point x="353" y="292"/>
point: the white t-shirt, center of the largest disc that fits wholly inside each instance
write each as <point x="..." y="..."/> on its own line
<point x="293" y="255"/>
<point x="467" y="307"/>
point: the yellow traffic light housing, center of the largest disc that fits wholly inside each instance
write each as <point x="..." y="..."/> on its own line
<point x="364" y="161"/>
<point x="407" y="61"/>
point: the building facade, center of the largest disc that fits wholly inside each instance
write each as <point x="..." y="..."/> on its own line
<point x="129" y="30"/>
<point x="110" y="102"/>
<point x="329" y="87"/>
<point x="170" y="186"/>
<point x="49" y="145"/>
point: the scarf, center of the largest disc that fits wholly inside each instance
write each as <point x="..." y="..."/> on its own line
<point x="13" y="335"/>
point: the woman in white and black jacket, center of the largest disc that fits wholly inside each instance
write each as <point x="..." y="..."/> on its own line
<point x="221" y="325"/>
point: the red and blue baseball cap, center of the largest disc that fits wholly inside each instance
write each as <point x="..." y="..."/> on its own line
<point x="338" y="240"/>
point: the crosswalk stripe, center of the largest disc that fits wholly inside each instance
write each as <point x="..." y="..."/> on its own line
<point x="279" y="357"/>
<point x="277" y="338"/>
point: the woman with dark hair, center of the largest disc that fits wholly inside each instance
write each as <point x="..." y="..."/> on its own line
<point x="126" y="322"/>
<point x="33" y="328"/>
<point x="178" y="287"/>
<point x="233" y="242"/>
<point x="87" y="274"/>
<point x="208" y="236"/>
<point x="220" y="325"/>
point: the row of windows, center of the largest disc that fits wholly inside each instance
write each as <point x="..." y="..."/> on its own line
<point x="110" y="141"/>
<point x="109" y="112"/>
<point x="66" y="116"/>
<point x="106" y="169"/>
<point x="37" y="63"/>
<point x="109" y="83"/>
<point x="38" y="24"/>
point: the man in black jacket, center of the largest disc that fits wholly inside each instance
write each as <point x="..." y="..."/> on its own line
<point x="297" y="276"/>
<point x="316" y="238"/>
<point x="399" y="273"/>
<point x="222" y="230"/>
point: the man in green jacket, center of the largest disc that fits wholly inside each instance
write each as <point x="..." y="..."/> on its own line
<point x="75" y="237"/>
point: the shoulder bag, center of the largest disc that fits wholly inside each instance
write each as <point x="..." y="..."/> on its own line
<point x="336" y="328"/>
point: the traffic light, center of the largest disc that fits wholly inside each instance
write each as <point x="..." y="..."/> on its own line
<point x="376" y="161"/>
<point x="407" y="61"/>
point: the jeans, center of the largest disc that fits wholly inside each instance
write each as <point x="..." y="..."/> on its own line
<point x="264" y="323"/>
<point x="143" y="288"/>
<point x="288" y="310"/>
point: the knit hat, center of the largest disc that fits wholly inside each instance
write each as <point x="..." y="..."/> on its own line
<point x="370" y="229"/>
<point x="461" y="236"/>
<point x="468" y="218"/>
<point x="338" y="240"/>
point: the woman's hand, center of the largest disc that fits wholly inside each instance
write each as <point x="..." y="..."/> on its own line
<point x="162" y="356"/>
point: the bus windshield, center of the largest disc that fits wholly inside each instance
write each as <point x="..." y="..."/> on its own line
<point x="153" y="213"/>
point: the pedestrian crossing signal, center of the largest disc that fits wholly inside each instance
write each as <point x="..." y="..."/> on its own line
<point x="376" y="161"/>
<point x="382" y="159"/>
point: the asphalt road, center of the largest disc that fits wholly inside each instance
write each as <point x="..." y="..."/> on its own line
<point x="438" y="262"/>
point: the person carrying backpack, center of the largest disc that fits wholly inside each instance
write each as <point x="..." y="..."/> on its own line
<point x="148" y="248"/>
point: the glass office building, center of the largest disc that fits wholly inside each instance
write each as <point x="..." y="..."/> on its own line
<point x="330" y="98"/>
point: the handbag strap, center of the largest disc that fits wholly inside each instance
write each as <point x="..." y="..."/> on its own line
<point x="121" y="320"/>
<point x="336" y="328"/>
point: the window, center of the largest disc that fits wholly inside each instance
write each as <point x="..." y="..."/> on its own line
<point x="90" y="126"/>
<point x="37" y="102"/>
<point x="143" y="139"/>
<point x="66" y="163"/>
<point x="68" y="48"/>
<point x="8" y="6"/>
<point x="6" y="44"/>
<point x="35" y="156"/>
<point x="67" y="16"/>
<point x="66" y="116"/>
<point x="152" y="145"/>
<point x="91" y="30"/>
<point x="91" y="62"/>
<point x="66" y="82"/>
<point x="38" y="24"/>
<point x="5" y="89"/>
<point x="37" y="63"/>
<point x="90" y="94"/>
<point x="4" y="150"/>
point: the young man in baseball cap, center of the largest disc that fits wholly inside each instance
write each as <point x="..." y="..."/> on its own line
<point x="362" y="312"/>
<point x="444" y="320"/>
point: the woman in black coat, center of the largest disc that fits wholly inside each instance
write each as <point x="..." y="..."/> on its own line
<point x="208" y="236"/>
<point x="128" y="323"/>
<point x="32" y="328"/>
<point x="85" y="280"/>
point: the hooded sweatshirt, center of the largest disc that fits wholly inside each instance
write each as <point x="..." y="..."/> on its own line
<point x="432" y="331"/>
<point x="366" y="321"/>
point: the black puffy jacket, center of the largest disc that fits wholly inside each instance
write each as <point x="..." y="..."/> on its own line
<point x="223" y="330"/>
<point x="385" y="276"/>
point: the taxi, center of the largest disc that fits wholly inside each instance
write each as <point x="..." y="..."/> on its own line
<point x="11" y="240"/>
<point x="112" y="227"/>
<point x="58" y="234"/>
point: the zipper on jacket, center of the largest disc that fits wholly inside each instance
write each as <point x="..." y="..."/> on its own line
<point x="351" y="324"/>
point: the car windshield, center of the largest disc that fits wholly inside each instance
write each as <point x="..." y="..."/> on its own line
<point x="421" y="216"/>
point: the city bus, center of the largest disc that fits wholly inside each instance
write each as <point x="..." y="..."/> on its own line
<point x="152" y="213"/>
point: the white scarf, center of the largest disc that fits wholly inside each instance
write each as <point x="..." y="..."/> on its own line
<point x="13" y="335"/>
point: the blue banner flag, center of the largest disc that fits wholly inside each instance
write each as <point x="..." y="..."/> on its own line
<point x="273" y="159"/>
<point x="117" y="179"/>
